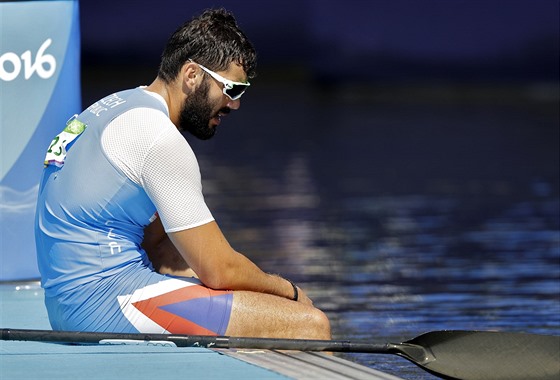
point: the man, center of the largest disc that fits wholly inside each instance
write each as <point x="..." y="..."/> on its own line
<point x="121" y="185"/>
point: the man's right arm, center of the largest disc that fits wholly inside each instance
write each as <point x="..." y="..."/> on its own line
<point x="219" y="266"/>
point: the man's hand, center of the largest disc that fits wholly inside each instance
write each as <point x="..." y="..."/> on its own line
<point x="302" y="297"/>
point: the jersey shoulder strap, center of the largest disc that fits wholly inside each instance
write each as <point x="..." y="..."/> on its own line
<point x="100" y="113"/>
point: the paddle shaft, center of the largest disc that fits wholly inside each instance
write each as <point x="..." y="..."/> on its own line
<point x="196" y="341"/>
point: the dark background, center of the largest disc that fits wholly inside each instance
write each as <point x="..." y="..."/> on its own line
<point x="376" y="40"/>
<point x="437" y="88"/>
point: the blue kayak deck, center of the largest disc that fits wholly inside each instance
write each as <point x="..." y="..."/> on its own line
<point x="23" y="360"/>
<point x="21" y="307"/>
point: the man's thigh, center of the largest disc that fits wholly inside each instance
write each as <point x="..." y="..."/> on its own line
<point x="264" y="315"/>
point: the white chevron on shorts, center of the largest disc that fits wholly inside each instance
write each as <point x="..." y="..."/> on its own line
<point x="138" y="319"/>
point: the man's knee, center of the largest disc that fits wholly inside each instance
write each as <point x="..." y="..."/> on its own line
<point x="321" y="326"/>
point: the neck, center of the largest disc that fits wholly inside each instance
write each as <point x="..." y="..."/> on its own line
<point x="169" y="94"/>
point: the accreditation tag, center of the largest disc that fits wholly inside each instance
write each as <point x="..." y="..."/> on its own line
<point x="58" y="148"/>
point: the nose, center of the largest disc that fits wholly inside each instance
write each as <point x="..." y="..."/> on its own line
<point x="234" y="104"/>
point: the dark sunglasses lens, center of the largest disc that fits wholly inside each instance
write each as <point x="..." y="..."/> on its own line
<point x="236" y="91"/>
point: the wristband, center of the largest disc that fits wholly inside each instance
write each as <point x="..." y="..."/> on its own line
<point x="296" y="293"/>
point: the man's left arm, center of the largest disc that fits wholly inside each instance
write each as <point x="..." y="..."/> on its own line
<point x="165" y="258"/>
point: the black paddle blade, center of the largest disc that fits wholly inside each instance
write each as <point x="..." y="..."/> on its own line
<point x="487" y="355"/>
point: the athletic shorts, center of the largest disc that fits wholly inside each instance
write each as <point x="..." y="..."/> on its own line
<point x="145" y="302"/>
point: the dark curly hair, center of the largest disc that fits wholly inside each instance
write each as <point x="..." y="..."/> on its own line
<point x="212" y="39"/>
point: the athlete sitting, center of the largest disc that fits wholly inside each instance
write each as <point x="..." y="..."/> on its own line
<point x="121" y="194"/>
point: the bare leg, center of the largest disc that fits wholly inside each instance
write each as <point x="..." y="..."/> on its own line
<point x="269" y="316"/>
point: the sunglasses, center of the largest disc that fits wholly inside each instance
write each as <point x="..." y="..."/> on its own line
<point x="231" y="89"/>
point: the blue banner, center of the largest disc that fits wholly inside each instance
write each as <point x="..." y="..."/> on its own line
<point x="39" y="92"/>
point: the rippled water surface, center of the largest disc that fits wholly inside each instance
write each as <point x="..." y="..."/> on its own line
<point x="397" y="217"/>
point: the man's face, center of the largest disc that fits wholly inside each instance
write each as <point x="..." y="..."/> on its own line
<point x="198" y="113"/>
<point x="202" y="110"/>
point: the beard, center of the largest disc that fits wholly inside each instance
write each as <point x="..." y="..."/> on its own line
<point x="197" y="112"/>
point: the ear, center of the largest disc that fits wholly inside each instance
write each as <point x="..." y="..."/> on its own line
<point x="190" y="77"/>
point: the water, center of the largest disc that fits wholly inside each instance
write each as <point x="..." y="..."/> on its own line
<point x="397" y="216"/>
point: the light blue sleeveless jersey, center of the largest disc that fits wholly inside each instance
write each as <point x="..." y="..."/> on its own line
<point x="90" y="217"/>
<point x="89" y="227"/>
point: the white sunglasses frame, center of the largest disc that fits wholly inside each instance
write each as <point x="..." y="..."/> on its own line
<point x="228" y="84"/>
